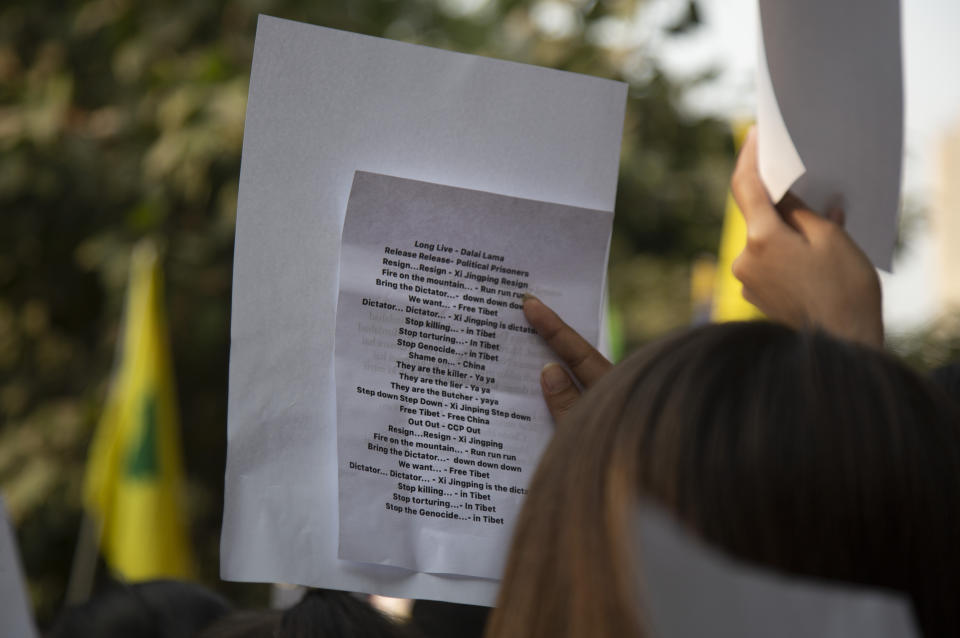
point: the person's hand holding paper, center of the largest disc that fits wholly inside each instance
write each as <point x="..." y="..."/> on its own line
<point x="585" y="362"/>
<point x="800" y="268"/>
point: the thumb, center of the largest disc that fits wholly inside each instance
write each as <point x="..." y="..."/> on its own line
<point x="559" y="390"/>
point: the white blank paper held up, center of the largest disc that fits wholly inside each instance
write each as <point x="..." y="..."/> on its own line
<point x="690" y="589"/>
<point x="322" y="105"/>
<point x="830" y="112"/>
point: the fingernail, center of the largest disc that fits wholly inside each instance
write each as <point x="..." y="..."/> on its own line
<point x="555" y="378"/>
<point x="837" y="216"/>
<point x="529" y="297"/>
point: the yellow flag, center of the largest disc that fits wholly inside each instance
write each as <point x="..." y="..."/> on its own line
<point x="703" y="274"/>
<point x="134" y="484"/>
<point x="616" y="343"/>
<point x="728" y="301"/>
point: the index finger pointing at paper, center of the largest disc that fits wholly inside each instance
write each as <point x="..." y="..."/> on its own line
<point x="585" y="361"/>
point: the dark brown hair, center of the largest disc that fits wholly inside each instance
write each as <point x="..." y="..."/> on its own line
<point x="787" y="449"/>
<point x="151" y="609"/>
<point x="321" y="613"/>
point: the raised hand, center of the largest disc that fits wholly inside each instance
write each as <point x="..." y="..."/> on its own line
<point x="800" y="268"/>
<point x="587" y="364"/>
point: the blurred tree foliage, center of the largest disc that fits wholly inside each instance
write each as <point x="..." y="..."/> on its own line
<point x="931" y="346"/>
<point x="121" y="119"/>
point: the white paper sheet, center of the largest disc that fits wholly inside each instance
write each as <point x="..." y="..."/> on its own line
<point x="830" y="111"/>
<point x="441" y="418"/>
<point x="690" y="590"/>
<point x="322" y="105"/>
<point x="16" y="618"/>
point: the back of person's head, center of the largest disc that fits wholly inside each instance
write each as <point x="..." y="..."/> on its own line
<point x="785" y="449"/>
<point x="260" y="623"/>
<point x="321" y="613"/>
<point x="153" y="609"/>
<point x="948" y="379"/>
